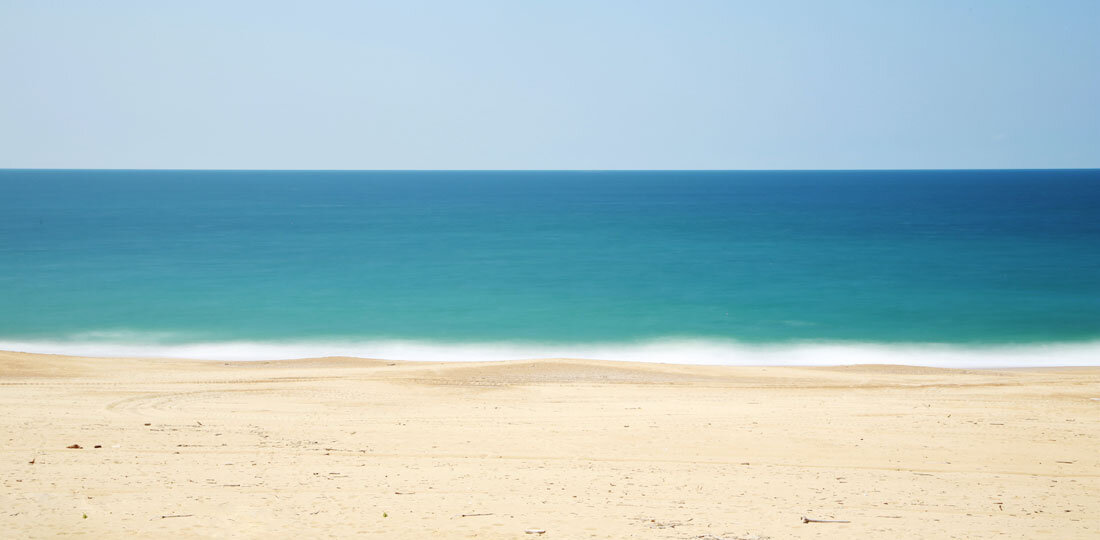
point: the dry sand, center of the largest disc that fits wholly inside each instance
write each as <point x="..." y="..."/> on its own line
<point x="346" y="447"/>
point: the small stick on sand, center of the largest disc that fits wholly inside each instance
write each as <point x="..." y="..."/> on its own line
<point x="808" y="520"/>
<point x="474" y="515"/>
<point x="176" y="515"/>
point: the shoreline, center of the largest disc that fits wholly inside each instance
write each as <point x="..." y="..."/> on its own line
<point x="701" y="352"/>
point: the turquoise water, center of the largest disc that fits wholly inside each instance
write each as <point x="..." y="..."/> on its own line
<point x="503" y="264"/>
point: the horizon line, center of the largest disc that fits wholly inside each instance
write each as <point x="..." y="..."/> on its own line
<point x="168" y="169"/>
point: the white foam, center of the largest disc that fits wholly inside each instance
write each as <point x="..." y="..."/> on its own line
<point x="671" y="351"/>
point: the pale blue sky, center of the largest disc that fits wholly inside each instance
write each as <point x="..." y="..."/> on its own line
<point x="550" y="85"/>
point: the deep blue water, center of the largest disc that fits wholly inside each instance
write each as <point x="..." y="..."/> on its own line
<point x="955" y="257"/>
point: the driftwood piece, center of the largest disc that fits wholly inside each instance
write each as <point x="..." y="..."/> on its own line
<point x="808" y="520"/>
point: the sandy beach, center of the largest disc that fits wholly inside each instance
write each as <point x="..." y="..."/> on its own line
<point x="342" y="447"/>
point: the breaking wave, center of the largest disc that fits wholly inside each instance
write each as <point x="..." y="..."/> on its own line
<point x="670" y="351"/>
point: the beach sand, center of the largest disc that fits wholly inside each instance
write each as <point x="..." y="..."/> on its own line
<point x="343" y="447"/>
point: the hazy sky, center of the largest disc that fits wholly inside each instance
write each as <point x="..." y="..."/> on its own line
<point x="550" y="85"/>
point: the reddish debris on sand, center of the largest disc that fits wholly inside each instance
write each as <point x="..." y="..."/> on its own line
<point x="76" y="446"/>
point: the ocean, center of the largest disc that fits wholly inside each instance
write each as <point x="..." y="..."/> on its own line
<point x="940" y="268"/>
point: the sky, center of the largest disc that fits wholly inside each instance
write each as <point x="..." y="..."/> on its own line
<point x="587" y="84"/>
